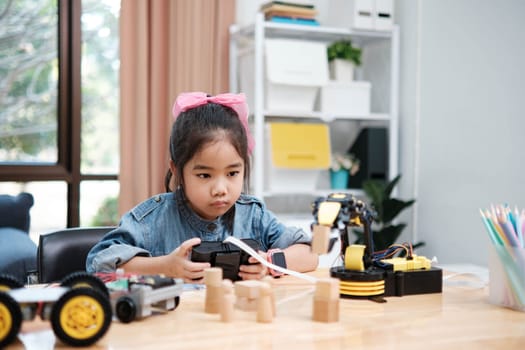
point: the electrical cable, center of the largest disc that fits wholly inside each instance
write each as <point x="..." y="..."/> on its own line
<point x="254" y="254"/>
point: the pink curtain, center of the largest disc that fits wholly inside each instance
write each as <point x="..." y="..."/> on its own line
<point x="166" y="47"/>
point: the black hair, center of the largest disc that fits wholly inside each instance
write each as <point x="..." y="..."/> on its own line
<point x="197" y="127"/>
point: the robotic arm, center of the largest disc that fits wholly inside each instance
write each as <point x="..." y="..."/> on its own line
<point x="341" y="211"/>
<point x="366" y="273"/>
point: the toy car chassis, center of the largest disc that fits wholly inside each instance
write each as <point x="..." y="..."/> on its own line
<point x="135" y="297"/>
<point x="79" y="309"/>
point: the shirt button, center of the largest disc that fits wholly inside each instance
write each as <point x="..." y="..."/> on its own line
<point x="211" y="227"/>
<point x="157" y="199"/>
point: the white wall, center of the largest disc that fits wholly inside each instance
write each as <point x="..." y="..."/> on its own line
<point x="461" y="121"/>
<point x="464" y="89"/>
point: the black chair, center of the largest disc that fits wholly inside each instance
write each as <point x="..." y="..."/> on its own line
<point x="17" y="250"/>
<point x="63" y="252"/>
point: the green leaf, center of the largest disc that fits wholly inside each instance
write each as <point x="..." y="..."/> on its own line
<point x="379" y="197"/>
<point x="387" y="236"/>
<point x="392" y="207"/>
<point x="343" y="49"/>
<point x="375" y="190"/>
<point x="390" y="186"/>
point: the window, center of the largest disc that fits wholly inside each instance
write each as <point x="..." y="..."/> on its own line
<point x="59" y="93"/>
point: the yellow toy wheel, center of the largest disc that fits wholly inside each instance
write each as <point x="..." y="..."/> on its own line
<point x="8" y="282"/>
<point x="10" y="319"/>
<point x="82" y="279"/>
<point x="81" y="316"/>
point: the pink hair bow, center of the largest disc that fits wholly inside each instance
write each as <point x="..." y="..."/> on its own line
<point x="237" y="102"/>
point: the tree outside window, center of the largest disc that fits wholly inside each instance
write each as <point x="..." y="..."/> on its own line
<point x="59" y="92"/>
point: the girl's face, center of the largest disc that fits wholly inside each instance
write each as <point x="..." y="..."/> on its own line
<point x="213" y="179"/>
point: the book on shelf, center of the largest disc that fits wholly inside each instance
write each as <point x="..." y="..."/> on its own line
<point x="286" y="3"/>
<point x="290" y="10"/>
<point x="291" y="20"/>
<point x="271" y="14"/>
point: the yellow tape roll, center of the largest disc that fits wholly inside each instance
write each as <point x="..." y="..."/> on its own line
<point x="354" y="257"/>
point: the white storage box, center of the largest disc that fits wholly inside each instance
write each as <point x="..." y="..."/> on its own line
<point x="372" y="14"/>
<point x="362" y="15"/>
<point x="295" y="70"/>
<point x="346" y="98"/>
<point x="296" y="153"/>
<point x="384" y="14"/>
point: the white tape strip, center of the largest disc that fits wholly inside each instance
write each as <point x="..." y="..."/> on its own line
<point x="296" y="296"/>
<point x="253" y="253"/>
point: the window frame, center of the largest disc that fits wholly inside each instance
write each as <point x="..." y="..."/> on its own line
<point x="69" y="118"/>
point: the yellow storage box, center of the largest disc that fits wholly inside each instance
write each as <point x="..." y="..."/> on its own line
<point x="296" y="154"/>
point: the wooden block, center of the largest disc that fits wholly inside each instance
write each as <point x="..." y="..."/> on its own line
<point x="320" y="239"/>
<point x="228" y="301"/>
<point x="248" y="289"/>
<point x="213" y="281"/>
<point x="326" y="311"/>
<point x="227" y="308"/>
<point x="213" y="276"/>
<point x="326" y="300"/>
<point x="269" y="280"/>
<point x="227" y="286"/>
<point x="245" y="304"/>
<point x="264" y="304"/>
<point x="327" y="289"/>
<point x="213" y="299"/>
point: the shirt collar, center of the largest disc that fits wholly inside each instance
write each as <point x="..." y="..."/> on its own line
<point x="194" y="220"/>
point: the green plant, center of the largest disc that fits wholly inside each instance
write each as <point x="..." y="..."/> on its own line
<point x="343" y="49"/>
<point x="107" y="214"/>
<point x="385" y="232"/>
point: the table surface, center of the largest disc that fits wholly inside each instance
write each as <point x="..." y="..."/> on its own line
<point x="460" y="317"/>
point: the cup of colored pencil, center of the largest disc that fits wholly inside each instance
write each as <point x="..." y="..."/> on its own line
<point x="505" y="227"/>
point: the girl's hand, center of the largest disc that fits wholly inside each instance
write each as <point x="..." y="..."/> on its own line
<point x="183" y="267"/>
<point x="254" y="271"/>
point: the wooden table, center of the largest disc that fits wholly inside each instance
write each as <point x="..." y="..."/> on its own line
<point x="459" y="318"/>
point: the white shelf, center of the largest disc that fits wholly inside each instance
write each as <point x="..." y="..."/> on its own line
<point x="326" y="117"/>
<point x="251" y="39"/>
<point x="316" y="193"/>
<point x="315" y="33"/>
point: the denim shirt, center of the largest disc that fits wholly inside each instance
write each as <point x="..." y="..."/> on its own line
<point x="160" y="224"/>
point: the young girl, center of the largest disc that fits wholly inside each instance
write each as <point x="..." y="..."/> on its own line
<point x="210" y="145"/>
